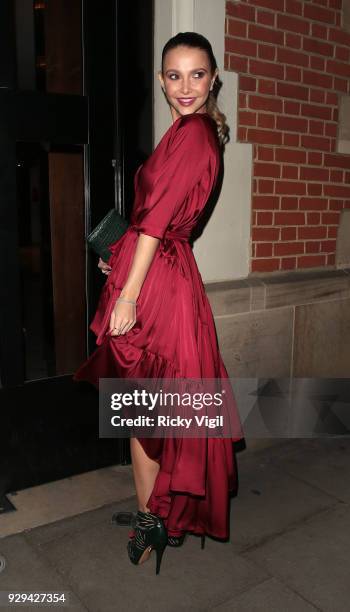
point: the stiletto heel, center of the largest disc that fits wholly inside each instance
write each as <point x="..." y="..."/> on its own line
<point x="202" y="541"/>
<point x="159" y="551"/>
<point x="149" y="532"/>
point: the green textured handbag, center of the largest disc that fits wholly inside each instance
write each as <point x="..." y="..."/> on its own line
<point x="109" y="230"/>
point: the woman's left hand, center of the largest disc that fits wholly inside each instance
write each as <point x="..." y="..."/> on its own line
<point x="123" y="318"/>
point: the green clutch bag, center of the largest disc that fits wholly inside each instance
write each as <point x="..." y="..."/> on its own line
<point x="109" y="230"/>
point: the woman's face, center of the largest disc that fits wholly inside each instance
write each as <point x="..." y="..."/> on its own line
<point x="186" y="80"/>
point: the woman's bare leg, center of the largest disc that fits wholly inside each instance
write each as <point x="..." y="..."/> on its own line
<point x="145" y="472"/>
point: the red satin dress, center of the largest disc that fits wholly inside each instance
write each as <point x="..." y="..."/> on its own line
<point x="174" y="335"/>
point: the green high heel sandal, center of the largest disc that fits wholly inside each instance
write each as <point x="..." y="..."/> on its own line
<point x="149" y="533"/>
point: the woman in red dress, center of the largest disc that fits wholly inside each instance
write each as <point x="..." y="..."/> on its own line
<point x="154" y="319"/>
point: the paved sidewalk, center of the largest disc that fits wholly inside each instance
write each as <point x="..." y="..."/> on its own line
<point x="289" y="547"/>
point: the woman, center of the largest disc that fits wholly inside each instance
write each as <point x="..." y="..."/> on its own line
<point x="182" y="485"/>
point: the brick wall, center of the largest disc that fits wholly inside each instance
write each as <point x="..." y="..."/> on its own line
<point x="293" y="62"/>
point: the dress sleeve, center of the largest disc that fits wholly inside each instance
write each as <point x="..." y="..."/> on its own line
<point x="174" y="176"/>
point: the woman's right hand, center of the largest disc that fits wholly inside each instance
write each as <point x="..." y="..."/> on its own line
<point x="104" y="267"/>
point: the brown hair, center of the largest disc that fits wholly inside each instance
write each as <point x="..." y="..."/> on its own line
<point x="195" y="40"/>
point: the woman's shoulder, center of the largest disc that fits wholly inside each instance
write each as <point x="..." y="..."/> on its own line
<point x="195" y="127"/>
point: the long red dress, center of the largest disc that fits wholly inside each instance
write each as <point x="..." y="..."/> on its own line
<point x="174" y="335"/>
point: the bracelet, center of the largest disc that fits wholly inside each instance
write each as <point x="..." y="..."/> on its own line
<point x="120" y="299"/>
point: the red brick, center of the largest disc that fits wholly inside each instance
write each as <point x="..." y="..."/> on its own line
<point x="337" y="161"/>
<point x="315" y="142"/>
<point x="289" y="203"/>
<point x="265" y="202"/>
<point x="316" y="127"/>
<point x="263" y="250"/>
<point x="337" y="191"/>
<point x="320" y="112"/>
<point x="313" y="203"/>
<point x="236" y="28"/>
<point x="291" y="156"/>
<point x="266" y="121"/>
<point x="288" y="263"/>
<point x="265" y="153"/>
<point x="291" y="140"/>
<point x="312" y="232"/>
<point x="317" y="95"/>
<point x="318" y="79"/>
<point x="329" y="218"/>
<point x="312" y="247"/>
<point x="293" y="74"/>
<point x="292" y="91"/>
<point x="332" y="98"/>
<point x="238" y="64"/>
<point x="242" y="100"/>
<point x="264" y="136"/>
<point x="314" y="189"/>
<point x="242" y="134"/>
<point x="342" y="53"/>
<point x="331" y="130"/>
<point x="314" y="174"/>
<point x="241" y="11"/>
<point x="268" y="35"/>
<point x="328" y="246"/>
<point x="336" y="4"/>
<point x="267" y="170"/>
<point x="314" y="158"/>
<point x="289" y="218"/>
<point x="267" y="52"/>
<point x="264" y="218"/>
<point x="273" y="105"/>
<point x="265" y="265"/>
<point x="288" y="248"/>
<point x="267" y="87"/>
<point x="339" y="36"/>
<point x="267" y="69"/>
<point x="265" y="233"/>
<point x="316" y="46"/>
<point x="335" y="205"/>
<point x="288" y="233"/>
<point x="247" y="118"/>
<point x="290" y="172"/>
<point x="266" y="18"/>
<point x="332" y="232"/>
<point x="226" y="60"/>
<point x="338" y="68"/>
<point x="247" y="83"/>
<point x="291" y="124"/>
<point x="287" y="56"/>
<point x="285" y="22"/>
<point x="340" y="85"/>
<point x="336" y="176"/>
<point x="293" y="41"/>
<point x="319" y="14"/>
<point x="317" y="63"/>
<point x="319" y="31"/>
<point x="291" y="108"/>
<point x="310" y="261"/>
<point x="266" y="186"/>
<point x="241" y="47"/>
<point x="290" y="187"/>
<point x="313" y="218"/>
<point x="294" y="7"/>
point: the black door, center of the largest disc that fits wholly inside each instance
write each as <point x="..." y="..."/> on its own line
<point x="73" y="127"/>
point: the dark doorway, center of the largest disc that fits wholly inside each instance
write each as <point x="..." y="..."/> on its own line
<point x="76" y="121"/>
